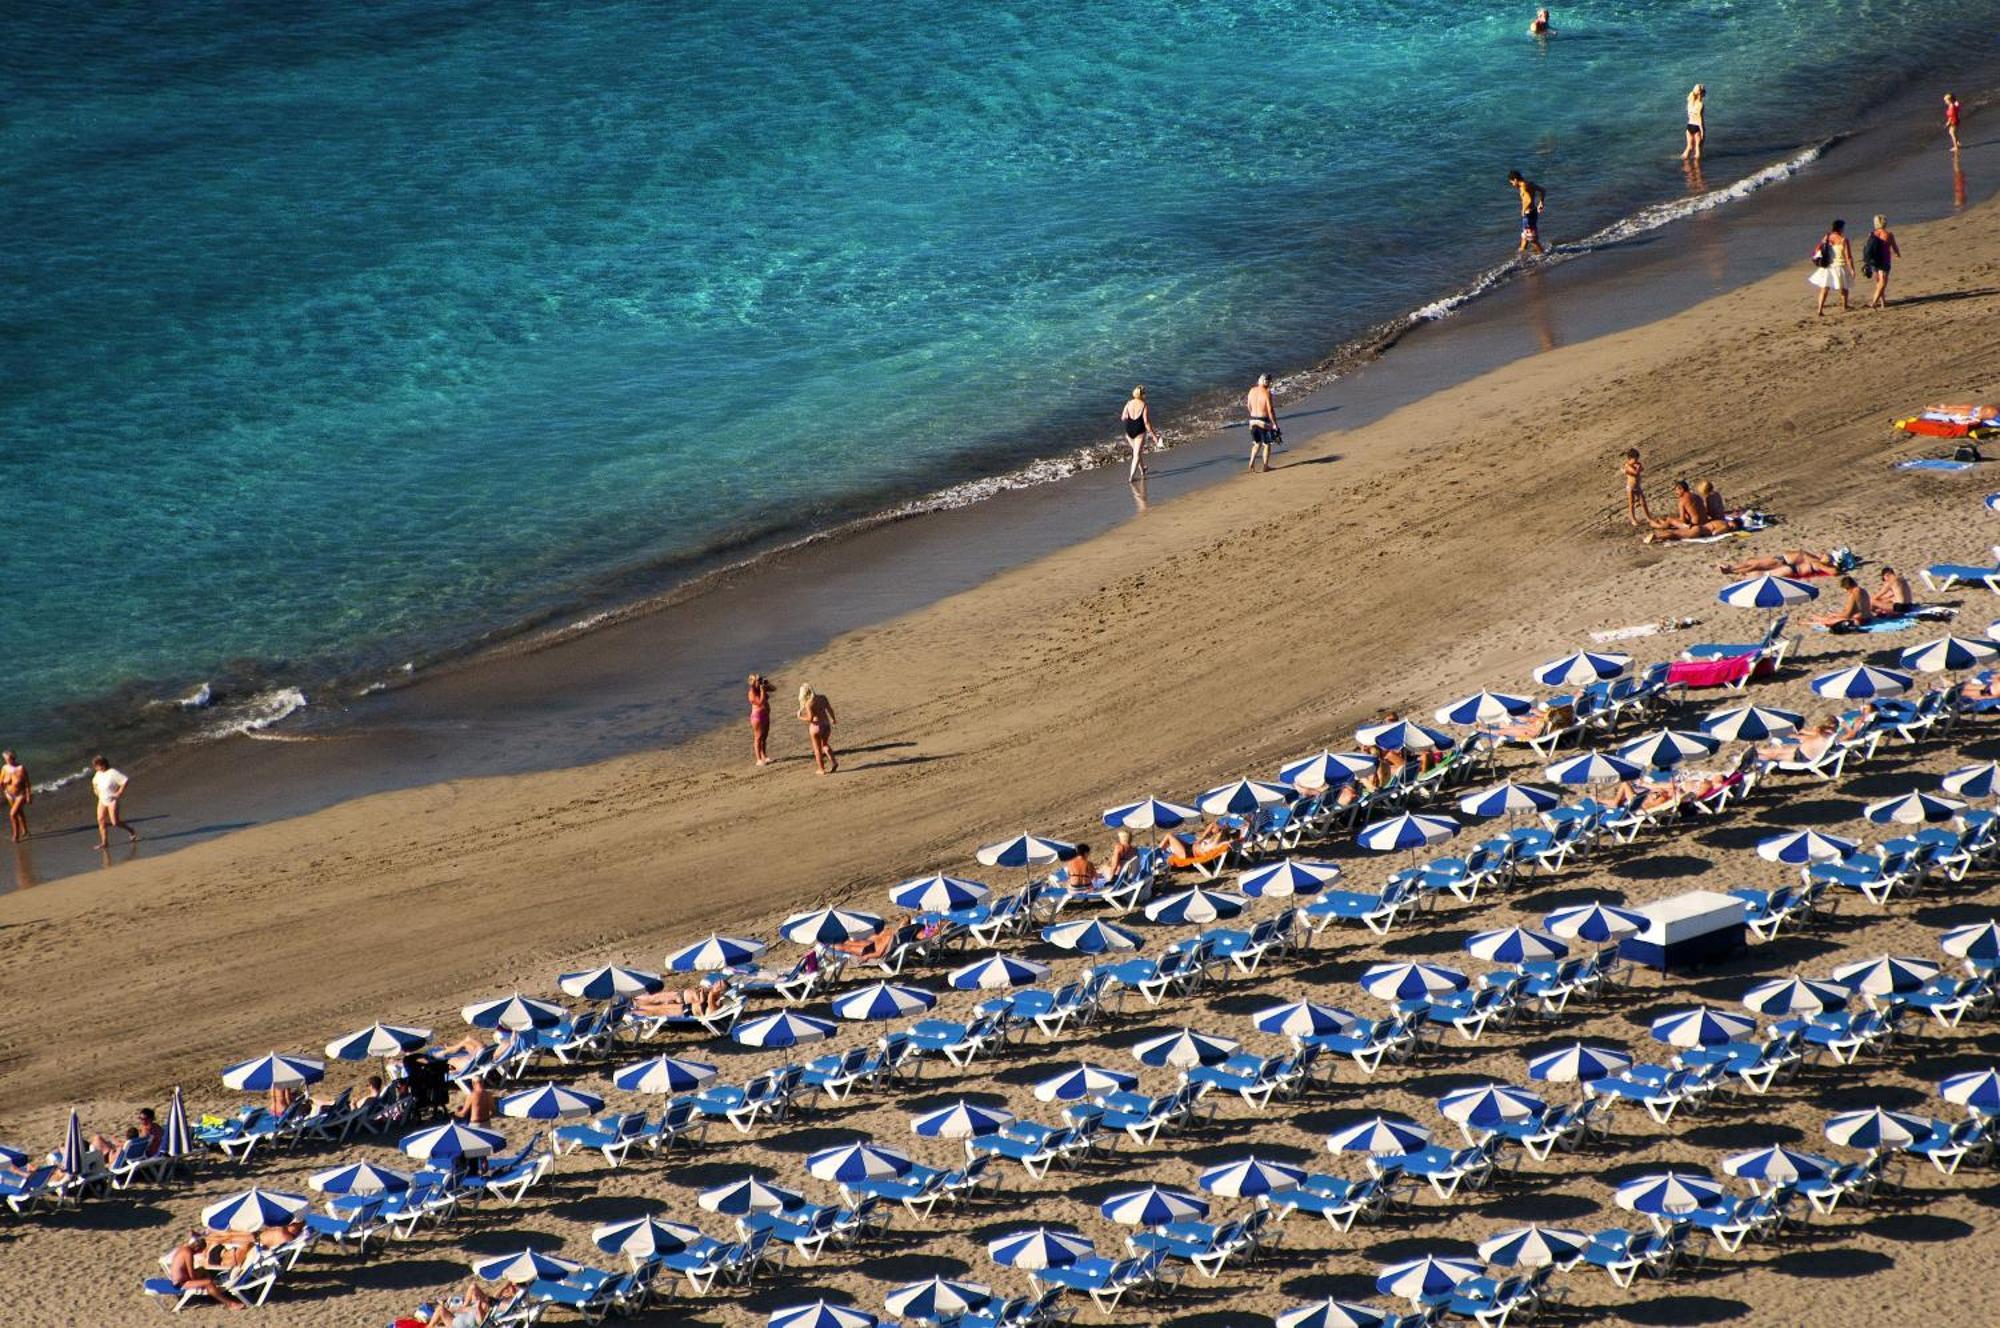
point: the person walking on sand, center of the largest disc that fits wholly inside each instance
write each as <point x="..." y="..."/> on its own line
<point x="1697" y="123"/>
<point x="110" y="786"/>
<point x="760" y="717"/>
<point x="817" y="712"/>
<point x="1533" y="199"/>
<point x="1138" y="421"/>
<point x="1878" y="251"/>
<point x="1540" y="27"/>
<point x="1263" y="422"/>
<point x="1635" y="492"/>
<point x="1833" y="265"/>
<point x="1951" y="114"/>
<point x="19" y="791"/>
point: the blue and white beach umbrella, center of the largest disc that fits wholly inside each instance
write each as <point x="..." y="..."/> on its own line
<point x="1379" y="1136"/>
<point x="1486" y="1106"/>
<point x="1325" y="770"/>
<point x="1700" y="1027"/>
<point x="1800" y="847"/>
<point x="1750" y="723"/>
<point x="273" y="1071"/>
<point x="1595" y="923"/>
<point x="73" y="1146"/>
<point x="609" y="982"/>
<point x="1669" y="747"/>
<point x="848" y="1163"/>
<point x="1886" y="975"/>
<point x="1992" y="501"/>
<point x="360" y="1178"/>
<point x="1406" y="832"/>
<point x="1514" y="945"/>
<point x="1198" y="906"/>
<point x="997" y="973"/>
<point x="1912" y="809"/>
<point x="1861" y="682"/>
<point x="1778" y="1165"/>
<point x="1582" y="669"/>
<point x="1507" y="799"/>
<point x="739" y="1198"/>
<point x="1594" y="768"/>
<point x="1084" y="1080"/>
<point x="523" y="1266"/>
<point x="253" y="1210"/>
<point x="936" y="1299"/>
<point x="1766" y="592"/>
<point x="1533" y="1246"/>
<point x="179" y="1141"/>
<point x="1243" y="797"/>
<point x="716" y="953"/>
<point x="1973" y="781"/>
<point x="1978" y="941"/>
<point x="1400" y="735"/>
<point x="883" y="1000"/>
<point x="1331" y="1313"/>
<point x="516" y="1013"/>
<point x="961" y="1120"/>
<point x="1786" y="998"/>
<point x="937" y="893"/>
<point x="829" y="926"/>
<point x="550" y="1102"/>
<point x="1185" y="1049"/>
<point x="1303" y="1019"/>
<point x="1418" y="1280"/>
<point x="377" y="1042"/>
<point x="663" y="1074"/>
<point x="1291" y="876"/>
<point x="13" y="1157"/>
<point x="1578" y="1063"/>
<point x="783" y="1029"/>
<point x="643" y="1239"/>
<point x="1250" y="1176"/>
<point x="452" y="1142"/>
<point x="1411" y="982"/>
<point x="1025" y="851"/>
<point x="1153" y="1206"/>
<point x="1149" y="814"/>
<point x="1090" y="937"/>
<point x="1975" y="1090"/>
<point x="1036" y="1248"/>
<point x="1875" y="1129"/>
<point x="1948" y="654"/>
<point x="1667" y="1193"/>
<point x="1484" y="707"/>
<point x="821" y="1314"/>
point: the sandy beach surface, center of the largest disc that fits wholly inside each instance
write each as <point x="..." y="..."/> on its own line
<point x="1452" y="544"/>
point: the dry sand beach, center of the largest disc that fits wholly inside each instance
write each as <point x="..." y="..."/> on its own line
<point x="1451" y="545"/>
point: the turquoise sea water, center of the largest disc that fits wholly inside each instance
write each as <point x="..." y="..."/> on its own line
<point x="341" y="335"/>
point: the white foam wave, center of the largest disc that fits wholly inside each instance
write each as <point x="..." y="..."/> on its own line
<point x="258" y="713"/>
<point x="199" y="699"/>
<point x="63" y="781"/>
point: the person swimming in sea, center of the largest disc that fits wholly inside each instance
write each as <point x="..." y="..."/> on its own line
<point x="1533" y="199"/>
<point x="1263" y="422"/>
<point x="1540" y="27"/>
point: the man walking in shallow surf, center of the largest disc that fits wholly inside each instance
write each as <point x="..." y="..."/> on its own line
<point x="1533" y="199"/>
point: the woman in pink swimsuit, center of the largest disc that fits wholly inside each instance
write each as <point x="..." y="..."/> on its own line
<point x="760" y="716"/>
<point x="817" y="712"/>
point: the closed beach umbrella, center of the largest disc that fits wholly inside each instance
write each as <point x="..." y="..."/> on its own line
<point x="1411" y="982"/>
<point x="855" y="1162"/>
<point x="1196" y="907"/>
<point x="1766" y="592"/>
<point x="663" y="1074"/>
<point x="1149" y="814"/>
<point x="642" y="1239"/>
<point x="1578" y="1063"/>
<point x="1025" y="851"/>
<point x="1973" y="781"/>
<point x="1292" y="876"/>
<point x="1669" y="747"/>
<point x="1948" y="654"/>
<point x="1912" y="809"/>
<point x="1484" y="1106"/>
<point x="609" y="982"/>
<point x="1777" y="1165"/>
<point x="1039" y="1247"/>
<point x="1886" y="975"/>
<point x="273" y="1071"/>
<point x="1975" y="1090"/>
<point x="1400" y="735"/>
<point x="1667" y="1193"/>
<point x="1251" y="1176"/>
<point x="1750" y="723"/>
<point x="1508" y="799"/>
<point x="178" y="1141"/>
<point x="1242" y="797"/>
<point x="783" y="1029"/>
<point x="1860" y="683"/>
<point x="739" y="1198"/>
<point x="1408" y="831"/>
<point x="1595" y="923"/>
<point x="452" y="1142"/>
<point x="821" y="1314"/>
<point x="936" y="1299"/>
<point x="1483" y="707"/>
<point x="360" y="1178"/>
<point x="1800" y="847"/>
<point x="1594" y="768"/>
<point x="1581" y="669"/>
<point x="523" y="1266"/>
<point x="1091" y="937"/>
<point x="1700" y="1027"/>
<point x="517" y="1013"/>
<point x="1303" y="1019"/>
<point x="714" y="954"/>
<point x="997" y="973"/>
<point x="1185" y="1049"/>
<point x="1084" y="1080"/>
<point x="1785" y="998"/>
<point x="550" y="1102"/>
<point x="1876" y="1130"/>
<point x="1153" y="1206"/>
<point x="1514" y="945"/>
<point x="1325" y="770"/>
<point x="1418" y="1280"/>
<point x="961" y="1120"/>
<point x="1331" y="1313"/>
<point x="883" y="1000"/>
<point x="938" y="893"/>
<point x="1379" y="1136"/>
<point x="377" y="1042"/>
<point x="1978" y="941"/>
<point x="1532" y="1247"/>
<point x="72" y="1146"/>
<point x="829" y="926"/>
<point x="253" y="1210"/>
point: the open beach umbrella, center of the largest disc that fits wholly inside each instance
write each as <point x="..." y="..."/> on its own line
<point x="1407" y="831"/>
<point x="1025" y="851"/>
<point x="716" y="953"/>
<point x="1035" y="1248"/>
<point x="1303" y="1019"/>
<point x="253" y="1210"/>
<point x="1786" y="998"/>
<point x="846" y="1163"/>
<point x="1578" y="1063"/>
<point x="642" y="1239"/>
<point x="1668" y="747"/>
<point x="1533" y="1246"/>
<point x="178" y="1141"/>
<point x="1331" y="1313"/>
<point x="1886" y="975"/>
<point x="1766" y="592"/>
<point x="1975" y="1090"/>
<point x="1400" y="735"/>
<point x="609" y="982"/>
<point x="1777" y="1165"/>
<point x="360" y="1178"/>
<point x="961" y="1120"/>
<point x="1090" y="937"/>
<point x="1514" y="945"/>
<point x="1483" y="707"/>
<point x="13" y="1157"/>
<point x="1876" y="1130"/>
<point x="1290" y="876"/>
<point x="1411" y="982"/>
<point x="1750" y="723"/>
<point x="1379" y="1136"/>
<point x="1250" y="1176"/>
<point x="1198" y="906"/>
<point x="1667" y="1193"/>
<point x="1507" y="799"/>
<point x="783" y="1029"/>
<point x="1800" y="847"/>
<point x="1912" y="809"/>
<point x="1149" y="814"/>
<point x="1595" y="923"/>
<point x="997" y="973"/>
<point x="739" y="1198"/>
<point x="1185" y="1049"/>
<point x="1860" y="683"/>
<point x="1948" y="654"/>
<point x="1418" y="1280"/>
<point x="524" y="1266"/>
<point x="883" y="1000"/>
<point x="1243" y="797"/>
<point x="550" y="1102"/>
<point x="1084" y="1080"/>
<point x="937" y="893"/>
<point x="1973" y="781"/>
<point x="1325" y="770"/>
<point x="1700" y="1027"/>
<point x="452" y="1142"/>
<point x="1581" y="669"/>
<point x="1594" y="768"/>
<point x="821" y="1314"/>
<point x="516" y="1013"/>
<point x="1992" y="501"/>
<point x="829" y="926"/>
<point x="1485" y="1106"/>
<point x="663" y="1074"/>
<point x="273" y="1071"/>
<point x="936" y="1299"/>
<point x="1153" y="1206"/>
<point x="1977" y="942"/>
<point x="377" y="1042"/>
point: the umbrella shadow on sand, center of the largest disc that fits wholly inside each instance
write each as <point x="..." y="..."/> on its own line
<point x="1673" y="1311"/>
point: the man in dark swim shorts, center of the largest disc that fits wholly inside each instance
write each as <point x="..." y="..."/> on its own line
<point x="1533" y="199"/>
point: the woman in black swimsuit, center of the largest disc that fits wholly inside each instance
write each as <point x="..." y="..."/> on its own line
<point x="1138" y="422"/>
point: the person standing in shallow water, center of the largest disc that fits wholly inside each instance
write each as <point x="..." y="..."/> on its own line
<point x="817" y="713"/>
<point x="1533" y="199"/>
<point x="19" y="791"/>
<point x="1137" y="420"/>
<point x="1697" y="123"/>
<point x="760" y="716"/>
<point x="1540" y="27"/>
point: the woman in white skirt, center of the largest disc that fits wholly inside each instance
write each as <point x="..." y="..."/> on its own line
<point x="1838" y="273"/>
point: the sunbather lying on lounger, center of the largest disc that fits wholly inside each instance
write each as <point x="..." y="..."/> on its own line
<point x="1985" y="686"/>
<point x="1534" y="724"/>
<point x="1211" y="842"/>
<point x="1079" y="870"/>
<point x="1807" y="746"/>
<point x="231" y="1249"/>
<point x="704" y="998"/>
<point x="184" y="1270"/>
<point x="473" y="1306"/>
<point x="1792" y="562"/>
<point x="869" y="949"/>
<point x="1856" y="609"/>
<point x="1122" y="852"/>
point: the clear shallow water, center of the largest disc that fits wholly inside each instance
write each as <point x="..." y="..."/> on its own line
<point x="338" y="339"/>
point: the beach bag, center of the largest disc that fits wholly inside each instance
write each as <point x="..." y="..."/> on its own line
<point x="1823" y="256"/>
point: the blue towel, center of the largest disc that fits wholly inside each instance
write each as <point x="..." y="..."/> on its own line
<point x="1933" y="463"/>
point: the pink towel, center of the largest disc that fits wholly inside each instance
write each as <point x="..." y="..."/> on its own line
<point x="1715" y="672"/>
